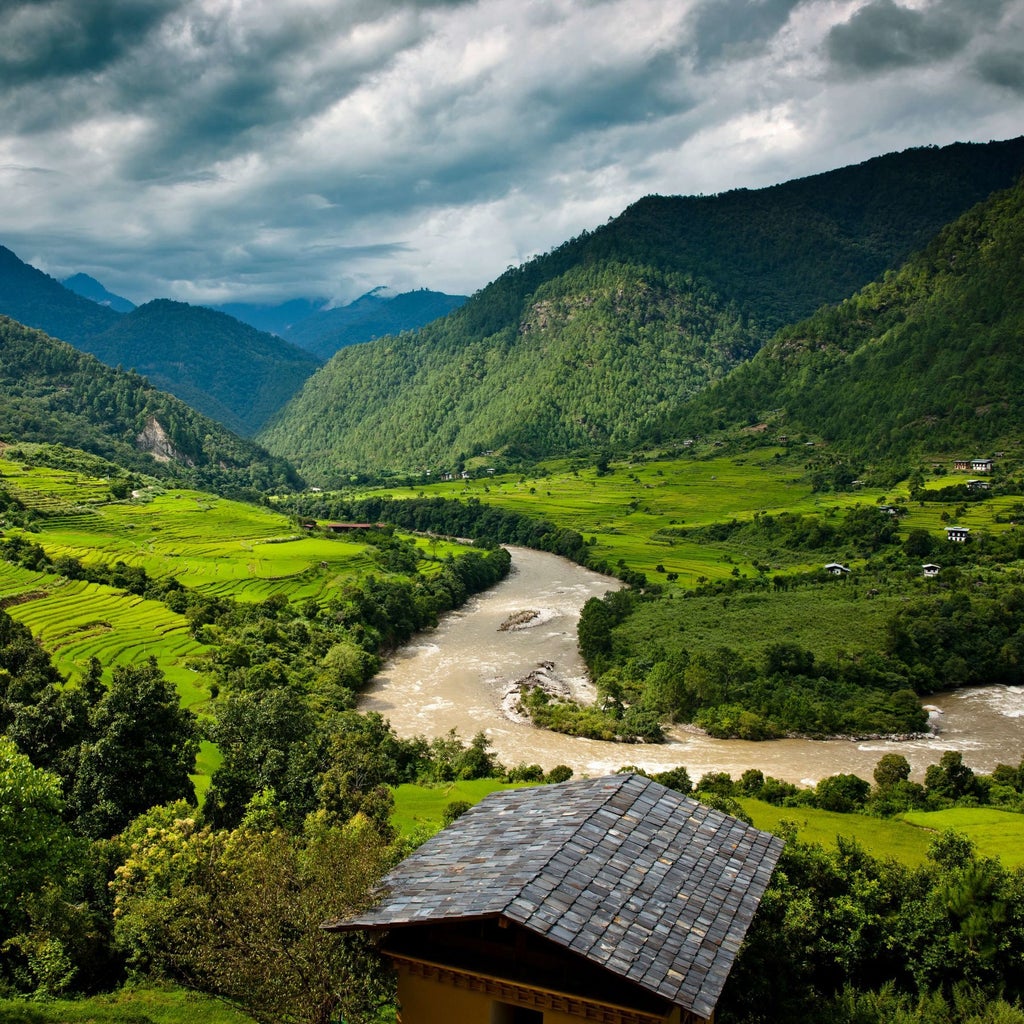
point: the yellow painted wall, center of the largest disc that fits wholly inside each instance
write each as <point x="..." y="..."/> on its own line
<point x="423" y="1001"/>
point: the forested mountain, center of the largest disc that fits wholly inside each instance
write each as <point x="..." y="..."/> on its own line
<point x="218" y="365"/>
<point x="37" y="300"/>
<point x="89" y="288"/>
<point x="51" y="392"/>
<point x="597" y="342"/>
<point x="929" y="357"/>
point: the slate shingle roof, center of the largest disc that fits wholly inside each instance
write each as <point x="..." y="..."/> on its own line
<point x="649" y="884"/>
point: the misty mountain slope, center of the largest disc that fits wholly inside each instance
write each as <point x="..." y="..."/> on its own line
<point x="89" y="288"/>
<point x="595" y="342"/>
<point x="372" y="315"/>
<point x="50" y="392"/>
<point x="927" y="359"/>
<point x="218" y="365"/>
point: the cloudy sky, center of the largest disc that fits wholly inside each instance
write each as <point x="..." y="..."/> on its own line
<point x="256" y="150"/>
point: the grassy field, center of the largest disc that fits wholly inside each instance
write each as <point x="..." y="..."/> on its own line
<point x="834" y="621"/>
<point x="76" y="621"/>
<point x="129" y="1006"/>
<point x="419" y="808"/>
<point x="216" y="546"/>
<point x="627" y="510"/>
<point x="995" y="833"/>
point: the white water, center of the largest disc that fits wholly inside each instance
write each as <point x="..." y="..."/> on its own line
<point x="454" y="677"/>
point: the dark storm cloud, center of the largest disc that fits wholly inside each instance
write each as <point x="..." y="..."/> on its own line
<point x="728" y="28"/>
<point x="602" y="97"/>
<point x="1004" y="68"/>
<point x="272" y="148"/>
<point x="210" y="75"/>
<point x="883" y="35"/>
<point x="46" y="39"/>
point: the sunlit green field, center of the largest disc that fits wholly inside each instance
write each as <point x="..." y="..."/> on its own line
<point x="996" y="833"/>
<point x="76" y="621"/>
<point x="834" y="620"/>
<point x="127" y="1006"/>
<point x="881" y="837"/>
<point x="219" y="547"/>
<point x="419" y="808"/>
<point x="625" y="510"/>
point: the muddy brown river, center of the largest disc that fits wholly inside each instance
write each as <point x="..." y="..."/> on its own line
<point x="456" y="675"/>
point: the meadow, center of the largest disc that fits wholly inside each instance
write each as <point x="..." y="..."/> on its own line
<point x="132" y="1005"/>
<point x="213" y="545"/>
<point x="630" y="512"/>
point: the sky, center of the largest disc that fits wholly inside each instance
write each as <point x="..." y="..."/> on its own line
<point x="259" y="150"/>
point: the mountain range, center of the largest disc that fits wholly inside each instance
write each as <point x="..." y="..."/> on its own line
<point x="604" y="341"/>
<point x="238" y="369"/>
<point x="322" y="328"/>
<point x="875" y="306"/>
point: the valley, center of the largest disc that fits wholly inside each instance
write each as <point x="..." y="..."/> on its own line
<point x="728" y="490"/>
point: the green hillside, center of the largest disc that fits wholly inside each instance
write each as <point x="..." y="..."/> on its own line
<point x="222" y="367"/>
<point x="926" y="359"/>
<point x="225" y="369"/>
<point x="596" y="343"/>
<point x="52" y="393"/>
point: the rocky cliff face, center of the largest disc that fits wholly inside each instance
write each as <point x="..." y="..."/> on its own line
<point x="155" y="440"/>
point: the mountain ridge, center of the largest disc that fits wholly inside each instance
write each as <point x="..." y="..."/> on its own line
<point x="518" y="367"/>
<point x="928" y="352"/>
<point x="218" y="365"/>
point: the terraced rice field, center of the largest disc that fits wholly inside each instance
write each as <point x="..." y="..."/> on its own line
<point x="76" y="621"/>
<point x="219" y="547"/>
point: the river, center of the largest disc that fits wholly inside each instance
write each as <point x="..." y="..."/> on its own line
<point x="454" y="677"/>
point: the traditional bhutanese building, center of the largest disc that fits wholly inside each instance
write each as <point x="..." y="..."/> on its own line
<point x="613" y="900"/>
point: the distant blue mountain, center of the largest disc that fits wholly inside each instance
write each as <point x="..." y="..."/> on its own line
<point x="275" y="319"/>
<point x="373" y="315"/>
<point x="89" y="288"/>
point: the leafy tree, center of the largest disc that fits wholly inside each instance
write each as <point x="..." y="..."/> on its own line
<point x="950" y="779"/>
<point x="35" y="844"/>
<point x="841" y="793"/>
<point x="891" y="770"/>
<point x="268" y="739"/>
<point x="140" y="754"/>
<point x="238" y="914"/>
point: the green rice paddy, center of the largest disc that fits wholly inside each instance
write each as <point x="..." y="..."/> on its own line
<point x="213" y="545"/>
<point x="627" y="510"/>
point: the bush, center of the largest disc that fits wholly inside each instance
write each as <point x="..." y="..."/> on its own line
<point x="454" y="809"/>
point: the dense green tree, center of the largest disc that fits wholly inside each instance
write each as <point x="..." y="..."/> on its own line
<point x="35" y="844"/>
<point x="238" y="914"/>
<point x="141" y="752"/>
